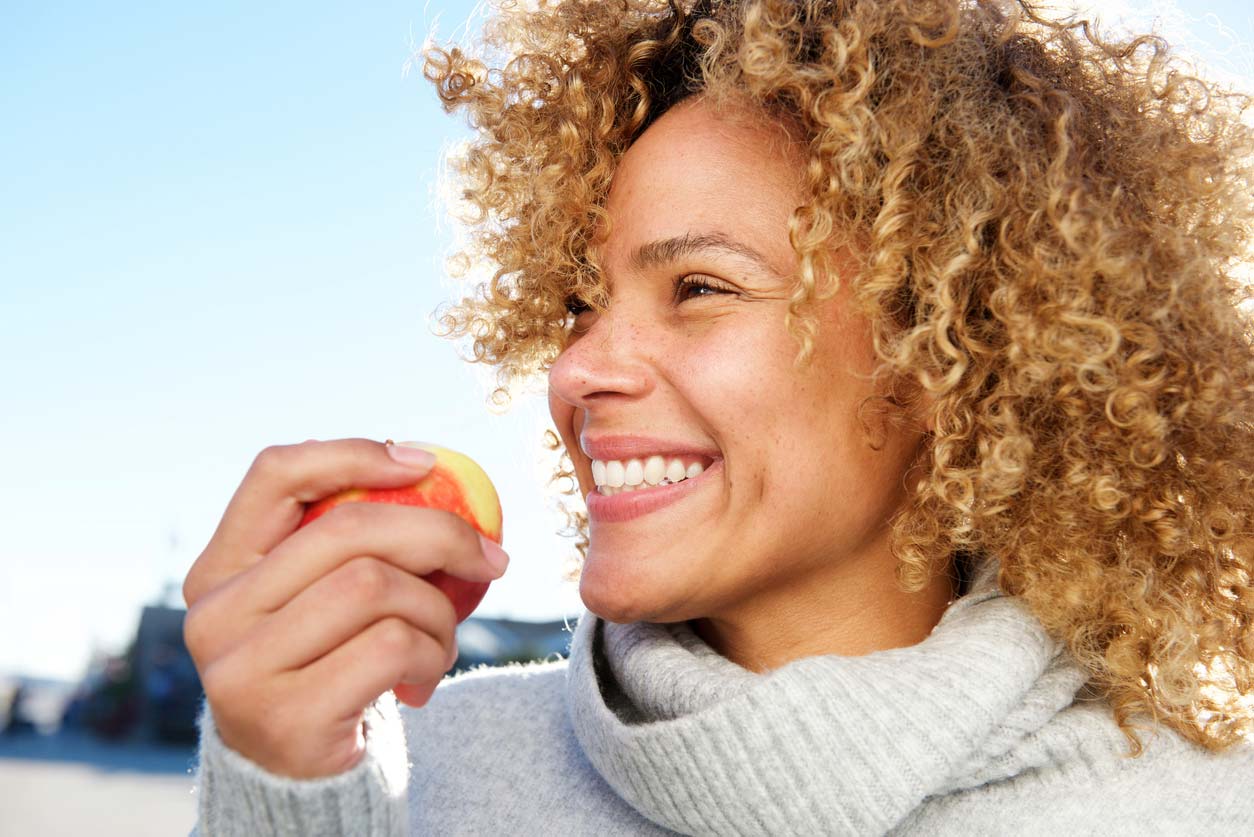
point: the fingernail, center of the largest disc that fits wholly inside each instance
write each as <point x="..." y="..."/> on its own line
<point x="495" y="556"/>
<point x="408" y="453"/>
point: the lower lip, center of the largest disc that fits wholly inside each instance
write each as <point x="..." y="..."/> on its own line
<point x="628" y="505"/>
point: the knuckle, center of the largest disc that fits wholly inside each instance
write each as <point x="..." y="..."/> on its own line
<point x="394" y="637"/>
<point x="194" y="631"/>
<point x="191" y="587"/>
<point x="199" y="579"/>
<point x="275" y="460"/>
<point x="270" y="459"/>
<point x="209" y="622"/>
<point x="365" y="579"/>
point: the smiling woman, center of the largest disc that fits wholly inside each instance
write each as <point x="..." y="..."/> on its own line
<point x="791" y="510"/>
<point x="898" y="358"/>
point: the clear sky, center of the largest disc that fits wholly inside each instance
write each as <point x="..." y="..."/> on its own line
<point x="219" y="230"/>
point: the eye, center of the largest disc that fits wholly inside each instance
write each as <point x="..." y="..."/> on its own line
<point x="692" y="286"/>
<point x="580" y="317"/>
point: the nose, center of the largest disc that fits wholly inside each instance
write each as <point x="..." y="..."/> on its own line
<point x="612" y="361"/>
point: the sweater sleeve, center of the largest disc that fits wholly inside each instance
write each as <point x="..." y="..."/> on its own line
<point x="237" y="797"/>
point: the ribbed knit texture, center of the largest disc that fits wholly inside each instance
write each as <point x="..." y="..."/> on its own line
<point x="981" y="729"/>
<point x="238" y="798"/>
<point x="884" y="730"/>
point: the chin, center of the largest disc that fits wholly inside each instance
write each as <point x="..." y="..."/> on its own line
<point x="612" y="602"/>
<point x="620" y="592"/>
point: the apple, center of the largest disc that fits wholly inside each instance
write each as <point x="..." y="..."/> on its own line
<point x="455" y="483"/>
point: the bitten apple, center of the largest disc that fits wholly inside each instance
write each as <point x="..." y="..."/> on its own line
<point x="455" y="483"/>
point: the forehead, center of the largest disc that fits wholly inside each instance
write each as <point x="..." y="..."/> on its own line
<point x="697" y="170"/>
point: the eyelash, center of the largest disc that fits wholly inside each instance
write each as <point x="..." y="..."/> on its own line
<point x="688" y="281"/>
<point x="576" y="306"/>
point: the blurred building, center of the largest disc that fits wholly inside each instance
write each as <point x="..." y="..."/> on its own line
<point x="168" y="687"/>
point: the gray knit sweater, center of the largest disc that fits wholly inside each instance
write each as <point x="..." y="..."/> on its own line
<point x="981" y="729"/>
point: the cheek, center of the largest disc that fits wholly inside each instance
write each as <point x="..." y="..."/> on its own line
<point x="793" y="435"/>
<point x="746" y="383"/>
<point x="737" y="364"/>
<point x="744" y="389"/>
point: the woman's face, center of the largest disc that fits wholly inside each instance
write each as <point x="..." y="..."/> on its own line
<point x="692" y="362"/>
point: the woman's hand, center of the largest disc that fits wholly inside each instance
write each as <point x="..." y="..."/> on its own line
<point x="296" y="631"/>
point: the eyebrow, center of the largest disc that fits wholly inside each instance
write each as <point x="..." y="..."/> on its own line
<point x="667" y="250"/>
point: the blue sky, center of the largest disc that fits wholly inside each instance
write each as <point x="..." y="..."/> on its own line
<point x="219" y="230"/>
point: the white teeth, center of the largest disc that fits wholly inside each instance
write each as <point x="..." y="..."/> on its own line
<point x="615" y="475"/>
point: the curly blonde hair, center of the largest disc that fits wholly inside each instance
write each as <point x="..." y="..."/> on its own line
<point x="1050" y="227"/>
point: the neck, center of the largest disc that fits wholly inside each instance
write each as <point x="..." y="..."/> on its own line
<point x="850" y="613"/>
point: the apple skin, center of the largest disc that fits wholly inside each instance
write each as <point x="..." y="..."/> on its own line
<point x="455" y="483"/>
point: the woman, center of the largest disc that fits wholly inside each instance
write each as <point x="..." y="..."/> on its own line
<point x="897" y="351"/>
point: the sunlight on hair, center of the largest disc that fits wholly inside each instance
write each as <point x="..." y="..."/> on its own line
<point x="1221" y="55"/>
<point x="1072" y="319"/>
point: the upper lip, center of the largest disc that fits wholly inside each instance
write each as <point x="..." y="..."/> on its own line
<point x="623" y="447"/>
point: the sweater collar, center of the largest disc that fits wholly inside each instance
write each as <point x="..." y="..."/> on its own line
<point x="825" y="744"/>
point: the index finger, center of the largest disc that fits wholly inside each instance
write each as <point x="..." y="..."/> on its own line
<point x="269" y="502"/>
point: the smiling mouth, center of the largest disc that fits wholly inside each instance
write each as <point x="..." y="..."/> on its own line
<point x="619" y="504"/>
<point x="617" y="476"/>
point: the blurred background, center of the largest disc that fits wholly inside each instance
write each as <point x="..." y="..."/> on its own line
<point x="221" y="229"/>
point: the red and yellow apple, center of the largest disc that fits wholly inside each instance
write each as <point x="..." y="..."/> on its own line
<point x="455" y="483"/>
